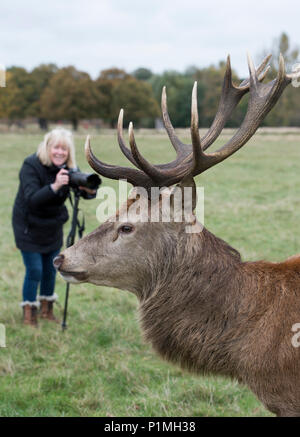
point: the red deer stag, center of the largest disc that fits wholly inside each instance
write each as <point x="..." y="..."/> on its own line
<point x="200" y="305"/>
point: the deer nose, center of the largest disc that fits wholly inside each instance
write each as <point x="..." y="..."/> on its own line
<point x="58" y="260"/>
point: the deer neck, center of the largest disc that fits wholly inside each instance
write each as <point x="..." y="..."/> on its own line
<point x="194" y="302"/>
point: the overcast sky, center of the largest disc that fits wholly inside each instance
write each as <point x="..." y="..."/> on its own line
<point x="173" y="34"/>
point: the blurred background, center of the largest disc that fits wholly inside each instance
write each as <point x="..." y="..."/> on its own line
<point x="78" y="63"/>
<point x="75" y="63"/>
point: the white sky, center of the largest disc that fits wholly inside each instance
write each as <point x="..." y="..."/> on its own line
<point x="158" y="34"/>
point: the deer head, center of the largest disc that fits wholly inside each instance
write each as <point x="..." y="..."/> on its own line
<point x="137" y="254"/>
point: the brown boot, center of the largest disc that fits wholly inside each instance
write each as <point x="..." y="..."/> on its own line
<point x="30" y="314"/>
<point x="46" y="311"/>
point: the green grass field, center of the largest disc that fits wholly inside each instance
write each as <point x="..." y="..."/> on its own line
<point x="101" y="365"/>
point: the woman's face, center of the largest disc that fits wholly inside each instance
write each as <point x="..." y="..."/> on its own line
<point x="59" y="154"/>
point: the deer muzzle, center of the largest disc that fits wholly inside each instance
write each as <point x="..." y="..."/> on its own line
<point x="58" y="260"/>
<point x="68" y="275"/>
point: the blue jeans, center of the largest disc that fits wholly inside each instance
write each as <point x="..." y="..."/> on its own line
<point x="39" y="270"/>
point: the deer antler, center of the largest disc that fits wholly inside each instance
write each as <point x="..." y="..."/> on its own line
<point x="262" y="99"/>
<point x="191" y="159"/>
<point x="230" y="97"/>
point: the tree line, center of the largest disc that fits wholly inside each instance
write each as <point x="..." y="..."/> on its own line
<point x="49" y="93"/>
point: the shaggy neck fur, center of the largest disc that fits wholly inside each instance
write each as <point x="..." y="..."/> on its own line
<point x="187" y="312"/>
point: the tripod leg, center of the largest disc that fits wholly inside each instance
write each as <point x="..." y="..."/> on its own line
<point x="70" y="242"/>
<point x="64" y="324"/>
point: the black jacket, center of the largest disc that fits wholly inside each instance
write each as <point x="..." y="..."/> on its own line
<point x="38" y="212"/>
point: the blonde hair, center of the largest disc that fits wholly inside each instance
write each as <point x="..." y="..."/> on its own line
<point x="61" y="136"/>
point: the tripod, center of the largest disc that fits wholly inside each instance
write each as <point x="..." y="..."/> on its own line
<point x="71" y="239"/>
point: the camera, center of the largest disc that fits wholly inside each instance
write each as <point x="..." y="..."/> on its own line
<point x="78" y="179"/>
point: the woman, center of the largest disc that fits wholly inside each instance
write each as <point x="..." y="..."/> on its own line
<point x="38" y="217"/>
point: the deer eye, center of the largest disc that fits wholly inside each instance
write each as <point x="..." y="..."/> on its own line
<point x="125" y="229"/>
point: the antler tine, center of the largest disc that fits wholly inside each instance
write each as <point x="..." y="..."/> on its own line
<point x="230" y="97"/>
<point x="172" y="165"/>
<point x="155" y="174"/>
<point x="198" y="154"/>
<point x="280" y="82"/>
<point x="121" y="141"/>
<point x="167" y="176"/>
<point x="182" y="150"/>
<point x="134" y="176"/>
<point x="261" y="72"/>
<point x="253" y="76"/>
<point x="200" y="160"/>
